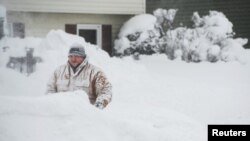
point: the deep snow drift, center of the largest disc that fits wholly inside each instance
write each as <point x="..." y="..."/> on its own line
<point x="154" y="98"/>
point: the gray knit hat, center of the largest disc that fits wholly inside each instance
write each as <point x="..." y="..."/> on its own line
<point x="77" y="49"/>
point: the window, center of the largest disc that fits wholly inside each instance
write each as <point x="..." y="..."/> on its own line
<point x="16" y="30"/>
<point x="92" y="33"/>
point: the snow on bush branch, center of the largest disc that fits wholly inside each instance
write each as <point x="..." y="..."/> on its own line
<point x="210" y="39"/>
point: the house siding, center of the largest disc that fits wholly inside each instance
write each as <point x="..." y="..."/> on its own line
<point x="77" y="6"/>
<point x="39" y="24"/>
<point x="237" y="11"/>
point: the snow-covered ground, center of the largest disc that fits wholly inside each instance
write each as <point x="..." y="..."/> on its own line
<point x="154" y="98"/>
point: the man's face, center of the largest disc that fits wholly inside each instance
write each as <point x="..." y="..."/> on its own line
<point x="75" y="60"/>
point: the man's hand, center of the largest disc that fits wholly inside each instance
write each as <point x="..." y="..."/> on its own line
<point x="101" y="104"/>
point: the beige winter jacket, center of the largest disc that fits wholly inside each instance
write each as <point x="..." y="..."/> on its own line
<point x="87" y="77"/>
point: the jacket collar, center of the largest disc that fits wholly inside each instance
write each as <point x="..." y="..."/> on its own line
<point x="78" y="69"/>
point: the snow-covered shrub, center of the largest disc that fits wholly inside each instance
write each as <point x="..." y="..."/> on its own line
<point x="165" y="18"/>
<point x="142" y="34"/>
<point x="138" y="35"/>
<point x="210" y="38"/>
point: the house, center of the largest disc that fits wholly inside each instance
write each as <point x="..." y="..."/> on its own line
<point x="237" y="11"/>
<point x="98" y="21"/>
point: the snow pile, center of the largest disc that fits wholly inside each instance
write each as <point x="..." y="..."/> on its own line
<point x="154" y="98"/>
<point x="16" y="47"/>
<point x="13" y="83"/>
<point x="210" y="39"/>
<point x="56" y="45"/>
<point x="69" y="117"/>
<point x="14" y="50"/>
<point x="54" y="49"/>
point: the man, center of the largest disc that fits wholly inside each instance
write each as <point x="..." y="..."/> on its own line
<point x="79" y="74"/>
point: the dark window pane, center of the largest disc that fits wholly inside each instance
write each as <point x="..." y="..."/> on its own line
<point x="18" y="30"/>
<point x="90" y="35"/>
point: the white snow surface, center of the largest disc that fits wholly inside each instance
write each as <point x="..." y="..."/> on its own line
<point x="153" y="98"/>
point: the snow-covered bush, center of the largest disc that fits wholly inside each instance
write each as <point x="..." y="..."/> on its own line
<point x="138" y="35"/>
<point x="165" y="18"/>
<point x="142" y="33"/>
<point x="210" y="38"/>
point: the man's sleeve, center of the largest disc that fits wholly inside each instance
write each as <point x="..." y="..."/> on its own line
<point x="103" y="89"/>
<point x="51" y="85"/>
